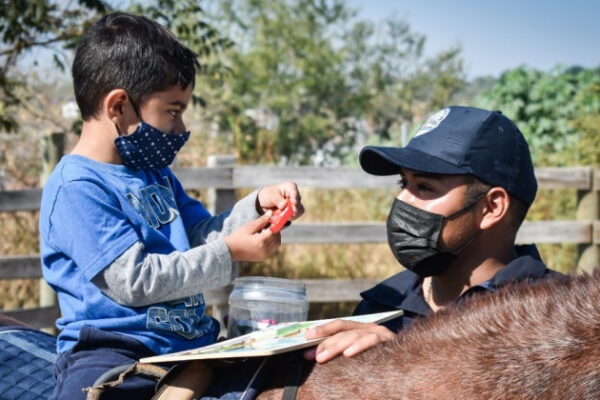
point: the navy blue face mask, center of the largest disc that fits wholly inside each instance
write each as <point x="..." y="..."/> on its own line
<point x="148" y="147"/>
<point x="413" y="236"/>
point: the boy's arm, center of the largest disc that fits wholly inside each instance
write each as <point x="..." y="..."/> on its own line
<point x="219" y="226"/>
<point x="138" y="279"/>
<point x="249" y="208"/>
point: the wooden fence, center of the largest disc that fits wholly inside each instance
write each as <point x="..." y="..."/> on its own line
<point x="222" y="177"/>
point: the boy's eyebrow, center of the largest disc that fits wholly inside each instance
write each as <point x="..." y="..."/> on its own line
<point x="178" y="103"/>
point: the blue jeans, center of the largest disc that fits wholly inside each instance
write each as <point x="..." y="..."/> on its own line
<point x="96" y="352"/>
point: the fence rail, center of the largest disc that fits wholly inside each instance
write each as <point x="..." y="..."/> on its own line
<point x="225" y="177"/>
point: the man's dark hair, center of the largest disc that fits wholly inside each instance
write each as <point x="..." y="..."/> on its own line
<point x="477" y="188"/>
<point x="129" y="52"/>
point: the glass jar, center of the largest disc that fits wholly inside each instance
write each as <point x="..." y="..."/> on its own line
<point x="258" y="302"/>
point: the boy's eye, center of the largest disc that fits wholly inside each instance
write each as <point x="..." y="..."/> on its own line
<point x="174" y="113"/>
<point x="402" y="183"/>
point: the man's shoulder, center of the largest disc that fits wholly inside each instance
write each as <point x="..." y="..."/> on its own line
<point x="393" y="290"/>
<point x="527" y="266"/>
<point x="401" y="291"/>
<point x="403" y="281"/>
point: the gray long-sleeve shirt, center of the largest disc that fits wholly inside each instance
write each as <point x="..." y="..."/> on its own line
<point x="137" y="278"/>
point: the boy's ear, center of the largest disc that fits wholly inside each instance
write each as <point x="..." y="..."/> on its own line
<point x="496" y="206"/>
<point x="114" y="105"/>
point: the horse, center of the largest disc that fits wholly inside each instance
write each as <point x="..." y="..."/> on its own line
<point x="533" y="340"/>
<point x="536" y="340"/>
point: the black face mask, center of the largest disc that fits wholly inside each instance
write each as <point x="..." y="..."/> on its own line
<point x="413" y="236"/>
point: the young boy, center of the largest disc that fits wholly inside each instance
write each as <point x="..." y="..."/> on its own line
<point x="127" y="251"/>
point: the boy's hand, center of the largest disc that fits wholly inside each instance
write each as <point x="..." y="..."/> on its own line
<point x="276" y="196"/>
<point x="347" y="337"/>
<point x="251" y="242"/>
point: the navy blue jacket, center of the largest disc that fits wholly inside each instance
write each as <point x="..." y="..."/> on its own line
<point x="403" y="291"/>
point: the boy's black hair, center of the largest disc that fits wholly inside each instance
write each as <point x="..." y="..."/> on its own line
<point x="129" y="52"/>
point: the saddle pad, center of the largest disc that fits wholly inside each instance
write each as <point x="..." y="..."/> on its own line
<point x="26" y="364"/>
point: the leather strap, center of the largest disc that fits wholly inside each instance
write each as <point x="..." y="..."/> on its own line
<point x="293" y="378"/>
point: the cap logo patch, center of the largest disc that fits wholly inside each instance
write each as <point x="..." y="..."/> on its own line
<point x="433" y="122"/>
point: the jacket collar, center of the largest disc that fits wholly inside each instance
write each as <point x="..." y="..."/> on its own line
<point x="403" y="290"/>
<point x="528" y="265"/>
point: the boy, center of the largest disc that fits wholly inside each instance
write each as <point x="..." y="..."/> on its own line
<point x="466" y="183"/>
<point x="126" y="250"/>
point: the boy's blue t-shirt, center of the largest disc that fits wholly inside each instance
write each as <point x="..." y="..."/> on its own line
<point x="92" y="212"/>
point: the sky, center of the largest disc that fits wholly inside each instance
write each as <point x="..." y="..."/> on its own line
<point x="498" y="35"/>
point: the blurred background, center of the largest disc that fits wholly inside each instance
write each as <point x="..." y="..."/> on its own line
<point x="310" y="82"/>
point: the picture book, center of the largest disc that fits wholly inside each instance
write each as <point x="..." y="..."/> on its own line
<point x="275" y="339"/>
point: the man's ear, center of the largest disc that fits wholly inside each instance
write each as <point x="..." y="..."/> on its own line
<point x="114" y="106"/>
<point x="495" y="208"/>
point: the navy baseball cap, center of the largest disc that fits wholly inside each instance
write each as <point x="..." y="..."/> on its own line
<point x="463" y="141"/>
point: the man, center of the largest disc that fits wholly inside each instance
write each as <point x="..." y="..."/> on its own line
<point x="467" y="181"/>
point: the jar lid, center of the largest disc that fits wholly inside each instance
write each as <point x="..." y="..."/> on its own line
<point x="251" y="282"/>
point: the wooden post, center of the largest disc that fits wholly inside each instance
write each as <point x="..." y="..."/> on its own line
<point x="220" y="200"/>
<point x="53" y="147"/>
<point x="588" y="209"/>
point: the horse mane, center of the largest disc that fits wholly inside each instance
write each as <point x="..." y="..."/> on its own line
<point x="530" y="340"/>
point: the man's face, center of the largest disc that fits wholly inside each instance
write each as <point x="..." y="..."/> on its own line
<point x="164" y="110"/>
<point x="444" y="195"/>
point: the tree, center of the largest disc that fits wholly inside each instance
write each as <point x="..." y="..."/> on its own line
<point x="549" y="107"/>
<point x="38" y="40"/>
<point x="587" y="122"/>
<point x="304" y="82"/>
<point x="26" y="28"/>
<point x="309" y="81"/>
<point x="557" y="111"/>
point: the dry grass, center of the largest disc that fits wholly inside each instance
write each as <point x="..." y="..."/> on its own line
<point x="19" y="235"/>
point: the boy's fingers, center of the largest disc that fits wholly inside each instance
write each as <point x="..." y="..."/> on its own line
<point x="258" y="224"/>
<point x="298" y="210"/>
<point x="272" y="240"/>
<point x="282" y="204"/>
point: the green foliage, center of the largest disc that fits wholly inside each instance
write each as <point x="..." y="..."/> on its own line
<point x="308" y="81"/>
<point x="546" y="106"/>
<point x="304" y="77"/>
<point x="30" y="25"/>
<point x="588" y="147"/>
<point x="587" y="123"/>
